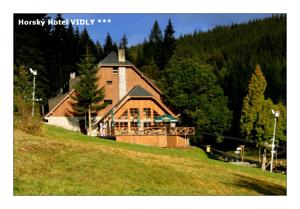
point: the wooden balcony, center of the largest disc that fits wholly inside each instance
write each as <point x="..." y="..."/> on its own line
<point x="152" y="131"/>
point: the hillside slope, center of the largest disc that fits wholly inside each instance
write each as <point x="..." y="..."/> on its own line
<point x="66" y="163"/>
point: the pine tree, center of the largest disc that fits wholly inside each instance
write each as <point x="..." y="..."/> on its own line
<point x="108" y="46"/>
<point x="148" y="56"/>
<point x="151" y="48"/>
<point x="168" y="46"/>
<point x="155" y="36"/>
<point x="257" y="120"/>
<point x="100" y="54"/>
<point x="123" y="43"/>
<point x="88" y="94"/>
<point x="150" y="70"/>
<point x="140" y="59"/>
<point x="155" y="42"/>
<point x="59" y="42"/>
<point x="115" y="47"/>
<point x="29" y="51"/>
<point x="253" y="103"/>
<point x="69" y="61"/>
<point x="77" y="48"/>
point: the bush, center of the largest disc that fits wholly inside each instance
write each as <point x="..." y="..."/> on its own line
<point x="23" y="119"/>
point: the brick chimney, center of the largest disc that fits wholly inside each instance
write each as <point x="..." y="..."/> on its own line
<point x="121" y="55"/>
<point x="122" y="74"/>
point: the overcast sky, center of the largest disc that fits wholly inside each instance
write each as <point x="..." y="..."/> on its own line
<point x="138" y="26"/>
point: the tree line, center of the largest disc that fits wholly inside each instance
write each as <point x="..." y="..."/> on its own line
<point x="55" y="51"/>
<point x="205" y="76"/>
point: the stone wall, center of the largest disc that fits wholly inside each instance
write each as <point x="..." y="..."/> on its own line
<point x="70" y="123"/>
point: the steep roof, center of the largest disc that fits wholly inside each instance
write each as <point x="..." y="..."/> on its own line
<point x="112" y="59"/>
<point x="57" y="101"/>
<point x="54" y="101"/>
<point x="138" y="91"/>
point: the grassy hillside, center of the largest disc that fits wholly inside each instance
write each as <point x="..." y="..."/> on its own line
<point x="67" y="163"/>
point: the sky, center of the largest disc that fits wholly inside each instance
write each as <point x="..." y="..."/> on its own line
<point x="137" y="27"/>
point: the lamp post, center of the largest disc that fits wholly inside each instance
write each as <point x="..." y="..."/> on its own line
<point x="276" y="115"/>
<point x="34" y="73"/>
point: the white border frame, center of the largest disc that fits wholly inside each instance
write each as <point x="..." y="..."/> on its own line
<point x="7" y="200"/>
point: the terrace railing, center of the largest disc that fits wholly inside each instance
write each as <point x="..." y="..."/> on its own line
<point x="174" y="131"/>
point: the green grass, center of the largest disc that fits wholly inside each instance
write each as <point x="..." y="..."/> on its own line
<point x="63" y="162"/>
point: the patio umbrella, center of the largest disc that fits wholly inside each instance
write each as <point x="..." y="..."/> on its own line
<point x="165" y="118"/>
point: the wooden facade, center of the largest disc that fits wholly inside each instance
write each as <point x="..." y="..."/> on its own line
<point x="134" y="104"/>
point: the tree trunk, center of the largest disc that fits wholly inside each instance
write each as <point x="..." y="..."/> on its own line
<point x="90" y="122"/>
<point x="259" y="154"/>
<point x="264" y="159"/>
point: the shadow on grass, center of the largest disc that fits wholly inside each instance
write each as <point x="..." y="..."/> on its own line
<point x="260" y="186"/>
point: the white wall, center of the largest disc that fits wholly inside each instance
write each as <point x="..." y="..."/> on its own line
<point x="71" y="123"/>
<point x="122" y="82"/>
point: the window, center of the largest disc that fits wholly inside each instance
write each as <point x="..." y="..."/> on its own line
<point x="147" y="124"/>
<point x="123" y="125"/>
<point x="133" y="124"/>
<point x="124" y="115"/>
<point x="109" y="82"/>
<point x="134" y="112"/>
<point x="108" y="101"/>
<point x="115" y="70"/>
<point x="117" y="124"/>
<point x="147" y="113"/>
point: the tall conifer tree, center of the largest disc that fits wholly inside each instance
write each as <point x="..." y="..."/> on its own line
<point x="155" y="34"/>
<point x="124" y="45"/>
<point x="99" y="50"/>
<point x="253" y="103"/>
<point x="108" y="46"/>
<point x="88" y="94"/>
<point x="168" y="46"/>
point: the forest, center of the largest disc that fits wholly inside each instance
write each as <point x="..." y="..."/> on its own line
<point x="211" y="78"/>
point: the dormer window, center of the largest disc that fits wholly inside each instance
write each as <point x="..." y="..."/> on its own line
<point x="109" y="82"/>
<point x="115" y="70"/>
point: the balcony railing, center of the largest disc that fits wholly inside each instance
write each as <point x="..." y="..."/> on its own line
<point x="174" y="131"/>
